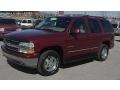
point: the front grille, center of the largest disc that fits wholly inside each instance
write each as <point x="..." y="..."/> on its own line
<point x="11" y="44"/>
<point x="14" y="42"/>
<point x="11" y="48"/>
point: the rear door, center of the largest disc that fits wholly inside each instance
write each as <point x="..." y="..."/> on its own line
<point x="95" y="35"/>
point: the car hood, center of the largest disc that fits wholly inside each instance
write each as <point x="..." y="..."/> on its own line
<point x="28" y="35"/>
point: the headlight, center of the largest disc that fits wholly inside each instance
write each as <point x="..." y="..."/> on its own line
<point x="27" y="48"/>
<point x="2" y="29"/>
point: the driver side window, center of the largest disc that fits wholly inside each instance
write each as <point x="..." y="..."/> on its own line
<point x="79" y="24"/>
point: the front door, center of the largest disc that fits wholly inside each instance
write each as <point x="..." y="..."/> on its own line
<point x="78" y="38"/>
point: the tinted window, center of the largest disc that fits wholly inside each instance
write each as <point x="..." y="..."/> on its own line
<point x="114" y="25"/>
<point x="7" y="21"/>
<point x="24" y="21"/>
<point x="107" y="26"/>
<point x="79" y="24"/>
<point x="37" y="22"/>
<point x="94" y="26"/>
<point x="57" y="24"/>
<point x="29" y="21"/>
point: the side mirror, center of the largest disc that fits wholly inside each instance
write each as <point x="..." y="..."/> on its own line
<point x="76" y="31"/>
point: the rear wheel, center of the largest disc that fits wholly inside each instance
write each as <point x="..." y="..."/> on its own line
<point x="103" y="53"/>
<point x="49" y="63"/>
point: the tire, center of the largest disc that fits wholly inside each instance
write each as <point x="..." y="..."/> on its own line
<point x="103" y="52"/>
<point x="48" y="63"/>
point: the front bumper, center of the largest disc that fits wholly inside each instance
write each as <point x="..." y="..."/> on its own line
<point x="28" y="62"/>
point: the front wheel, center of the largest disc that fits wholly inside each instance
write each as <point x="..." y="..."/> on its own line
<point x="49" y="63"/>
<point x="103" y="53"/>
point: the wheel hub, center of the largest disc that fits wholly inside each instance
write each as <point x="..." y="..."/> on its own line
<point x="50" y="63"/>
<point x="104" y="53"/>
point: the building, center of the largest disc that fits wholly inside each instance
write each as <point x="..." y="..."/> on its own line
<point x="25" y="14"/>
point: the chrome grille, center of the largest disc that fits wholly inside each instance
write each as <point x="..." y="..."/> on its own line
<point x="14" y="42"/>
<point x="11" y="44"/>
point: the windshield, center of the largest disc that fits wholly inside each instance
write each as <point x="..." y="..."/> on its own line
<point x="24" y="21"/>
<point x="114" y="25"/>
<point x="7" y="21"/>
<point x="58" y="24"/>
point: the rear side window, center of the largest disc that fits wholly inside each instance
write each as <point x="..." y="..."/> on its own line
<point x="107" y="26"/>
<point x="29" y="21"/>
<point x="94" y="26"/>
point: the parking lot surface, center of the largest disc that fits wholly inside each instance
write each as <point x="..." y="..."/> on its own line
<point x="83" y="70"/>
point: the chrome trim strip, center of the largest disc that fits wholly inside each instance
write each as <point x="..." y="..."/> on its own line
<point x="82" y="50"/>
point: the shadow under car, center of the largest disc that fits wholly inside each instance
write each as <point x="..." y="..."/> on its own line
<point x="34" y="71"/>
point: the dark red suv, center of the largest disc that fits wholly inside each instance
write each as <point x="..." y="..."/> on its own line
<point x="58" y="40"/>
<point x="7" y="25"/>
